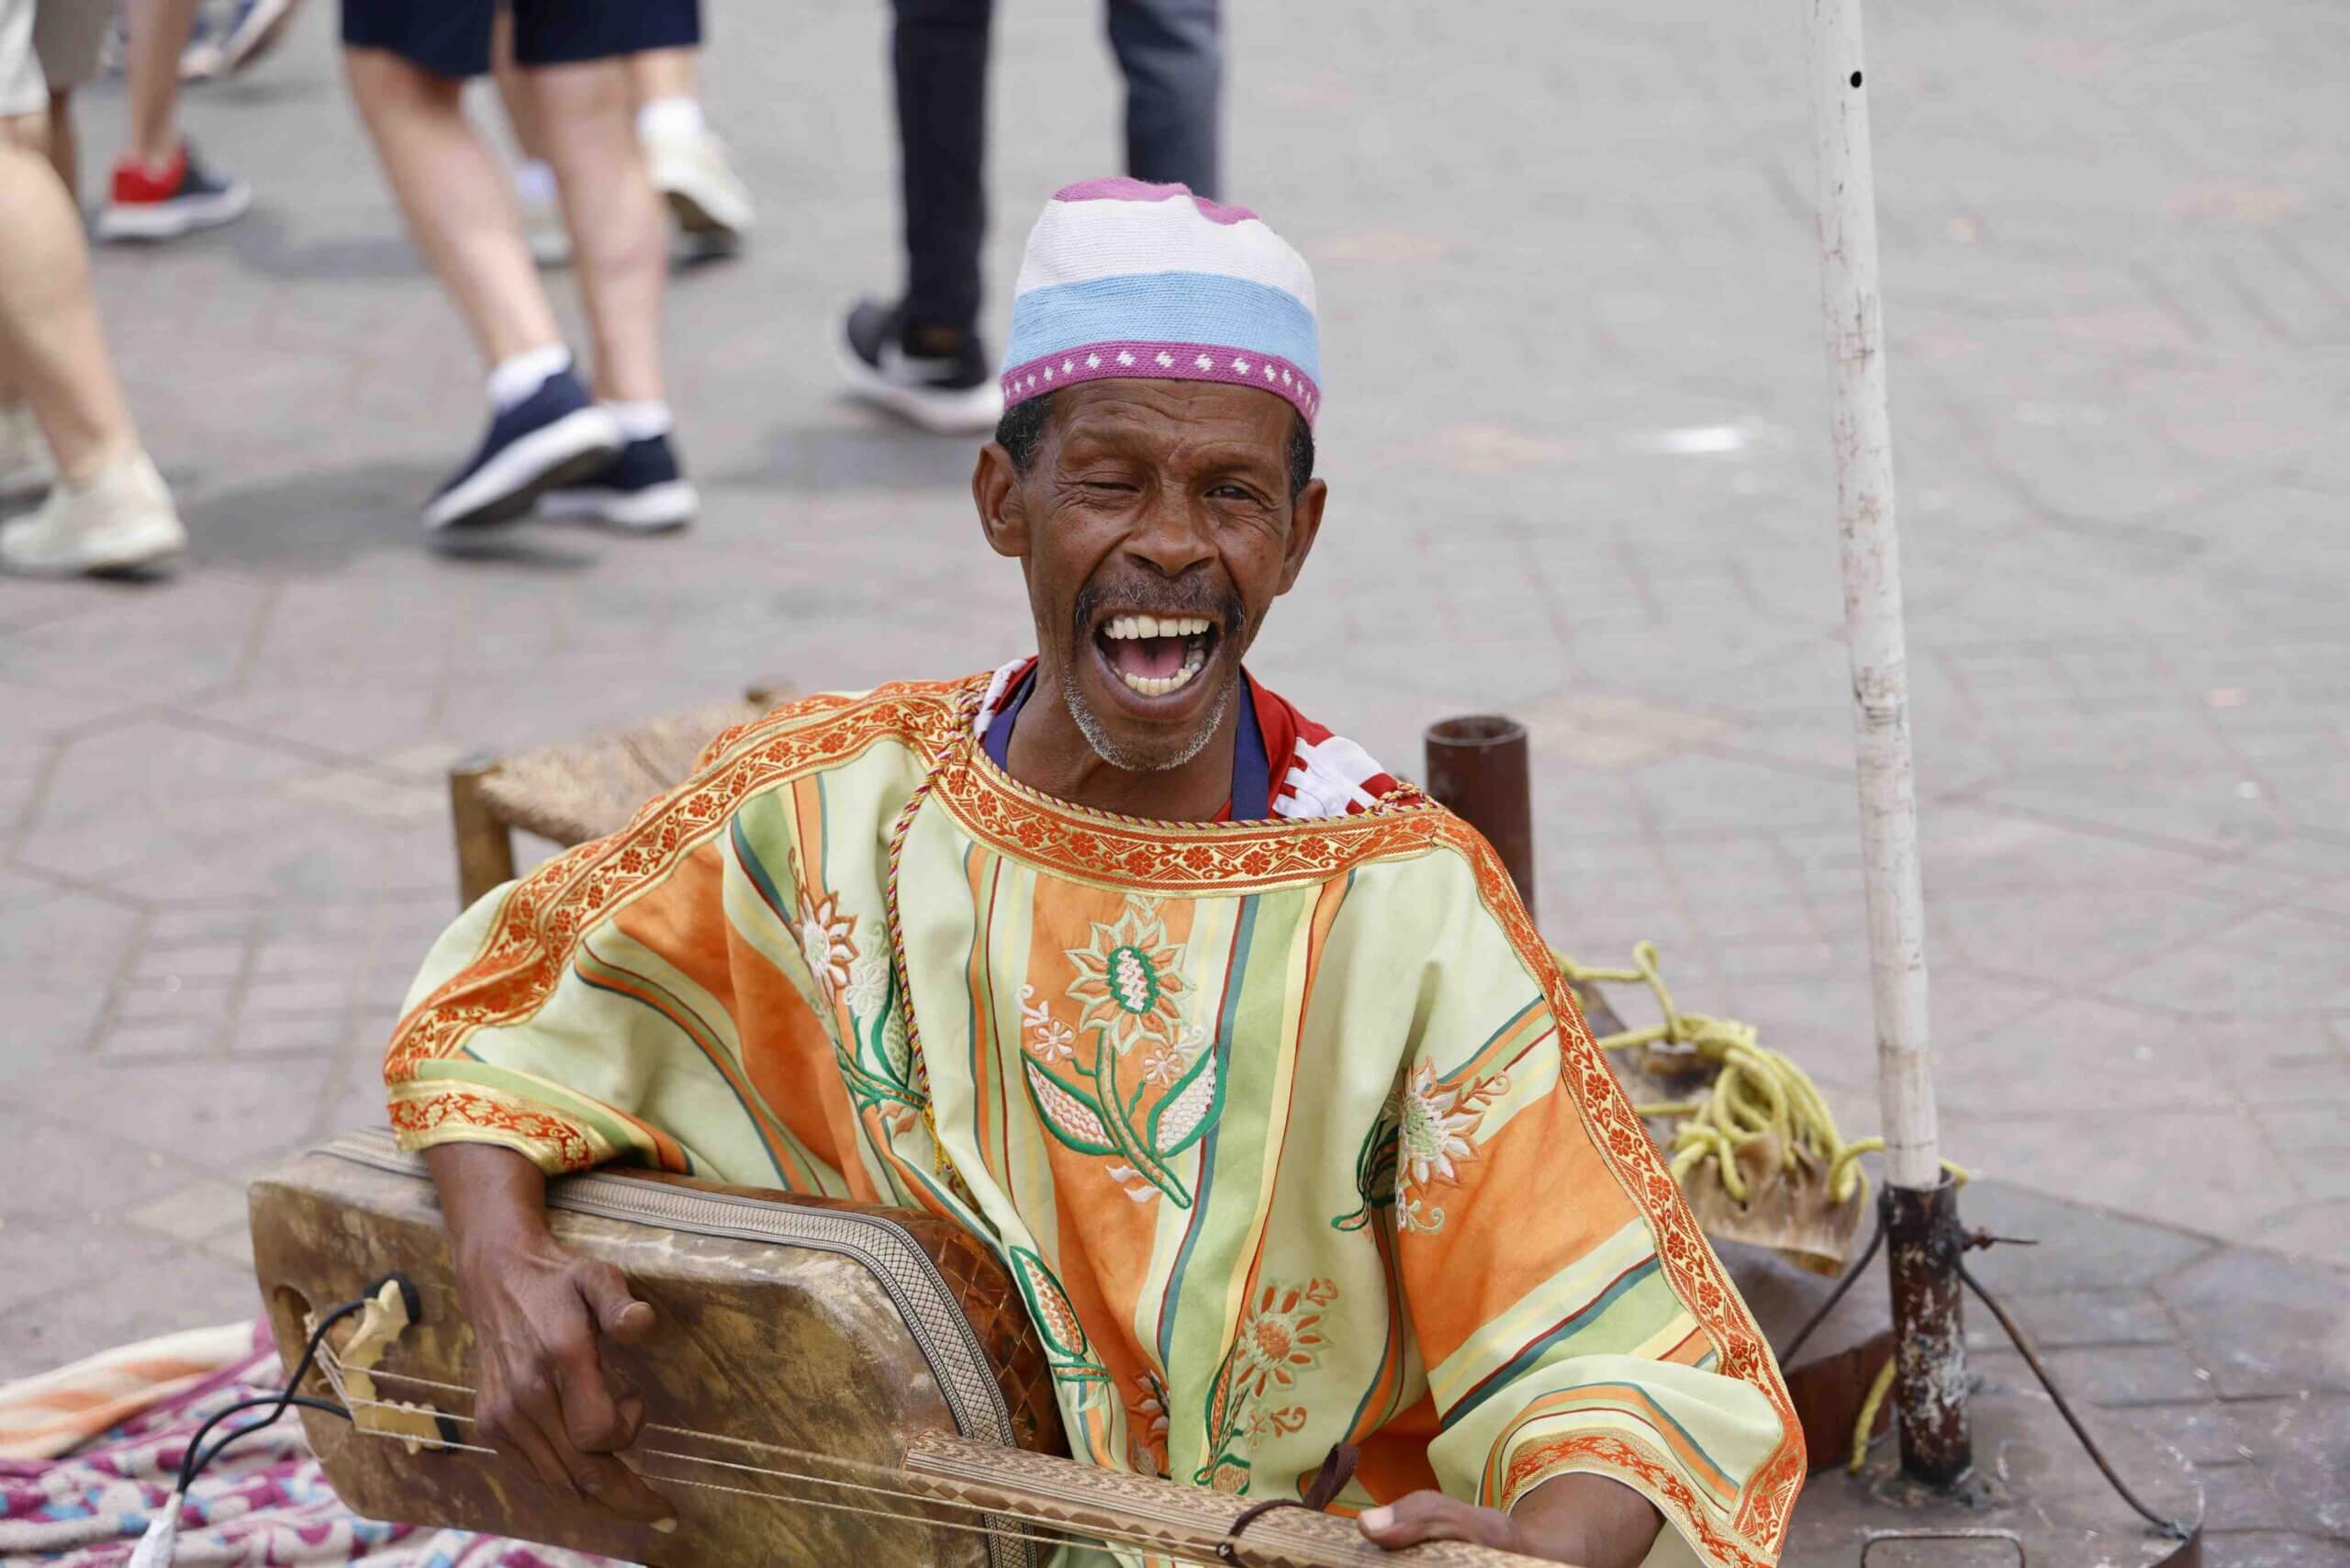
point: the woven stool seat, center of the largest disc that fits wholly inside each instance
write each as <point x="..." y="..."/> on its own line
<point x="580" y="790"/>
<point x="587" y="789"/>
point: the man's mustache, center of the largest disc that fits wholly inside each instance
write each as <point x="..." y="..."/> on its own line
<point x="1150" y="595"/>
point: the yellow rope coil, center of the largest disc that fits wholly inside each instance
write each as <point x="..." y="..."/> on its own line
<point x="1757" y="1092"/>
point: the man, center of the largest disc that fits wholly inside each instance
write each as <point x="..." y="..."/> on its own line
<point x="1243" y="1056"/>
<point x="920" y="357"/>
<point x="605" y="459"/>
<point x="64" y="425"/>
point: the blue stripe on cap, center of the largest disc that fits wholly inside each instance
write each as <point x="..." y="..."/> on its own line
<point x="1174" y="307"/>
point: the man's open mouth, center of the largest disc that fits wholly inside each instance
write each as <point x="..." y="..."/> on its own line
<point x="1155" y="655"/>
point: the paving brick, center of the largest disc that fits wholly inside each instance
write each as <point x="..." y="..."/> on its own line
<point x="2066" y="1319"/>
<point x="2264" y="1326"/>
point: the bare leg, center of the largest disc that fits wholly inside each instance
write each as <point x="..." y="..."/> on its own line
<point x="618" y="240"/>
<point x="456" y="199"/>
<point x="159" y="30"/>
<point x="513" y="92"/>
<point x="48" y="316"/>
<point x="660" y="73"/>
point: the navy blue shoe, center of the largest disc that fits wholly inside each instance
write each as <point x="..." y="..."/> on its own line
<point x="557" y="435"/>
<point x="642" y="489"/>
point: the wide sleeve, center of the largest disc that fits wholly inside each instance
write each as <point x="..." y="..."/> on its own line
<point x="649" y="998"/>
<point x="1569" y="1313"/>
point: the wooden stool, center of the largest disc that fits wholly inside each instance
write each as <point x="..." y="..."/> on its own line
<point x="569" y="794"/>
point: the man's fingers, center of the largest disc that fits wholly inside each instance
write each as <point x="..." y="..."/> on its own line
<point x="1432" y="1515"/>
<point x="616" y="1311"/>
<point x="540" y="1426"/>
<point x="589" y="1420"/>
<point x="631" y="1412"/>
<point x="605" y="1480"/>
<point x="519" y="1443"/>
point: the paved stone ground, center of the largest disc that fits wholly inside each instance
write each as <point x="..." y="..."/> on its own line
<point x="1577" y="446"/>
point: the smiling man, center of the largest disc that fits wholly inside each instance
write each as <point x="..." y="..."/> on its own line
<point x="1242" y="1055"/>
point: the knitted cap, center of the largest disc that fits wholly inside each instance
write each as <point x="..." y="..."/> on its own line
<point x="1126" y="279"/>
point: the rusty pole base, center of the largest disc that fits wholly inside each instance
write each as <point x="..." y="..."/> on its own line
<point x="1923" y="1247"/>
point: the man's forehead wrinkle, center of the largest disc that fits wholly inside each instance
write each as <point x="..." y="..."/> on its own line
<point x="1177" y="428"/>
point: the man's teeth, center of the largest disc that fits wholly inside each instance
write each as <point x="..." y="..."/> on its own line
<point x="1125" y="626"/>
<point x="1161" y="685"/>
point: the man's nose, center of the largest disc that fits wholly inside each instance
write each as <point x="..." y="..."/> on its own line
<point x="1171" y="535"/>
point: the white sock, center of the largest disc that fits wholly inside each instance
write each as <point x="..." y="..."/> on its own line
<point x="680" y="118"/>
<point x="515" y="379"/>
<point x="534" y="182"/>
<point x="641" y="421"/>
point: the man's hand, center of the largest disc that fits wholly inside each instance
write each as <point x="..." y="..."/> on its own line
<point x="540" y="1398"/>
<point x="1582" y="1518"/>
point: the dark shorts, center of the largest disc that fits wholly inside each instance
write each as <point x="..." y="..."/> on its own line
<point x="450" y="38"/>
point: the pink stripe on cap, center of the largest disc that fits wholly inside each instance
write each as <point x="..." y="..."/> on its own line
<point x="1119" y="187"/>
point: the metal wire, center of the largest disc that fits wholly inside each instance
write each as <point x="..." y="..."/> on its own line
<point x="2172" y="1528"/>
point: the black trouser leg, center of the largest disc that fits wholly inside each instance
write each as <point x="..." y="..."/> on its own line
<point x="1172" y="54"/>
<point x="940" y="57"/>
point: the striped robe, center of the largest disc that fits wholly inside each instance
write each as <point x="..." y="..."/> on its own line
<point x="1290" y="1131"/>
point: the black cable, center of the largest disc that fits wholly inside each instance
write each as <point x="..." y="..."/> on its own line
<point x="196" y="1457"/>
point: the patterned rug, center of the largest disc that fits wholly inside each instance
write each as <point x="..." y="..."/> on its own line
<point x="88" y="1454"/>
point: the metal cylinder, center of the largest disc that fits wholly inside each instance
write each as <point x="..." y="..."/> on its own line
<point x="1477" y="768"/>
<point x="1923" y="1243"/>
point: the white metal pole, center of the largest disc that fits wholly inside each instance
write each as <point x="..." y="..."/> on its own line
<point x="1873" y="592"/>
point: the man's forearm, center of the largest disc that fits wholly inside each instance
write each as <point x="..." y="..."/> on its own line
<point x="492" y="1199"/>
<point x="1599" y="1523"/>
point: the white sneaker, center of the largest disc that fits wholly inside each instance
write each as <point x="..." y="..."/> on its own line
<point x="256" y="27"/>
<point x="708" y="199"/>
<point x="25" y="467"/>
<point x="121" y="519"/>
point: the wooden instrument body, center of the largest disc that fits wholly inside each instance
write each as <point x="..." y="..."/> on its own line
<point x="816" y="1328"/>
<point x="797" y="1338"/>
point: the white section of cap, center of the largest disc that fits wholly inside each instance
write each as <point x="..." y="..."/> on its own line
<point x="1078" y="242"/>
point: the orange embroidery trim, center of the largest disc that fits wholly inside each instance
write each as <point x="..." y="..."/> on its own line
<point x="1613" y="1452"/>
<point x="415" y="1116"/>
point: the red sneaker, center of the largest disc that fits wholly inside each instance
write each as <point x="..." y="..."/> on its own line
<point x="163" y="204"/>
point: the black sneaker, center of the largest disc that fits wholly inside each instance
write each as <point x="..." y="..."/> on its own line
<point x="642" y="489"/>
<point x="557" y="435"/>
<point x="951" y="393"/>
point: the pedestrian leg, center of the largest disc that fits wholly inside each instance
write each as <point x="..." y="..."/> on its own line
<point x="1172" y="54"/>
<point x="689" y="166"/>
<point x="161" y="189"/>
<point x="620" y="251"/>
<point x="922" y="357"/>
<point x="108" y="509"/>
<point x="534" y="184"/>
<point x="545" y="430"/>
<point x="454" y="197"/>
<point x="616" y="239"/>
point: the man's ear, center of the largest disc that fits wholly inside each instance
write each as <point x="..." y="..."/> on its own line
<point x="1305" y="523"/>
<point x="995" y="490"/>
